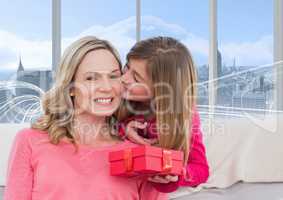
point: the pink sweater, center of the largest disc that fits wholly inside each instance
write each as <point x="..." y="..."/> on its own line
<point x="197" y="168"/>
<point x="39" y="170"/>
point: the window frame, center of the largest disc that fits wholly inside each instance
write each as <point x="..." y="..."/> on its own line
<point x="213" y="37"/>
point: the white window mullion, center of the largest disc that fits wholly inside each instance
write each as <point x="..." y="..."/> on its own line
<point x="56" y="33"/>
<point x="278" y="53"/>
<point x="138" y="20"/>
<point x="212" y="53"/>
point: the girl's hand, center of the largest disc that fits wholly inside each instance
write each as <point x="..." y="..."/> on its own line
<point x="163" y="179"/>
<point x="132" y="134"/>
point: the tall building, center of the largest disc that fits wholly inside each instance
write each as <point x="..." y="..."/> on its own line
<point x="219" y="64"/>
<point x="39" y="78"/>
<point x="250" y="100"/>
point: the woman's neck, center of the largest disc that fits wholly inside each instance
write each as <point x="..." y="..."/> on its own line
<point x="91" y="130"/>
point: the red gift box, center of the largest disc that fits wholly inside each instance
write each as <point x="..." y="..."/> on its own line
<point x="146" y="160"/>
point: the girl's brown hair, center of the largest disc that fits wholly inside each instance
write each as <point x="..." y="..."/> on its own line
<point x="171" y="69"/>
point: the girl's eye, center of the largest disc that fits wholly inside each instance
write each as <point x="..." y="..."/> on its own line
<point x="135" y="78"/>
<point x="125" y="68"/>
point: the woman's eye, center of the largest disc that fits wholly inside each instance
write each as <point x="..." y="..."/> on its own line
<point x="114" y="76"/>
<point x="91" y="78"/>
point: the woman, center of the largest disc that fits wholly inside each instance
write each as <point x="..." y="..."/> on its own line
<point x="64" y="156"/>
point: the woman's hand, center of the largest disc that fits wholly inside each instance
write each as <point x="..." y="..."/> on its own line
<point x="163" y="179"/>
<point x="132" y="134"/>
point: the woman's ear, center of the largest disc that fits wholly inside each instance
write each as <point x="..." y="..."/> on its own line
<point x="72" y="92"/>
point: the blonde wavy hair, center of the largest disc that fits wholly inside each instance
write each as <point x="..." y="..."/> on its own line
<point x="57" y="104"/>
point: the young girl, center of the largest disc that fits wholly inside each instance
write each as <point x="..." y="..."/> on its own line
<point x="77" y="110"/>
<point x="159" y="80"/>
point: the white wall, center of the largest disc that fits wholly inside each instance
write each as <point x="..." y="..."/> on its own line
<point x="7" y="134"/>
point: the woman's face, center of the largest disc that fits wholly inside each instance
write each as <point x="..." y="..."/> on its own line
<point x="136" y="81"/>
<point x="97" y="84"/>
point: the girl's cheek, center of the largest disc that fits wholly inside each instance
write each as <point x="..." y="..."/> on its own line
<point x="141" y="91"/>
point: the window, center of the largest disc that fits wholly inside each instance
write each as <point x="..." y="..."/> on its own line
<point x="245" y="55"/>
<point x="109" y="19"/>
<point x="245" y="79"/>
<point x="25" y="52"/>
<point x="186" y="21"/>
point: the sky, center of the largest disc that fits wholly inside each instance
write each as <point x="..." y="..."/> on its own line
<point x="245" y="28"/>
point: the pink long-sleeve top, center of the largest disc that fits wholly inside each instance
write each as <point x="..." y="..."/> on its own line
<point x="197" y="169"/>
<point x="39" y="170"/>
